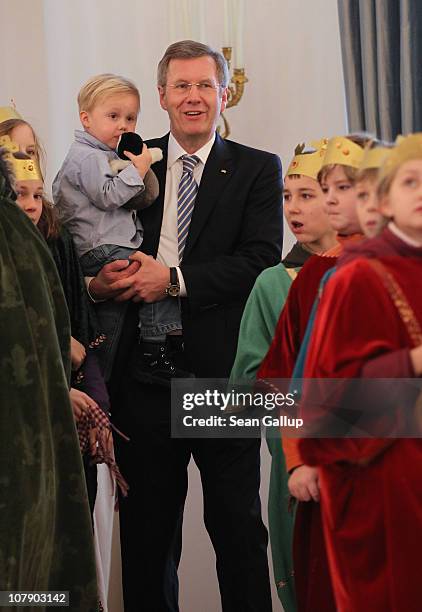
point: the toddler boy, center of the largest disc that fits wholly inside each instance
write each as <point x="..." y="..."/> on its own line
<point x="99" y="208"/>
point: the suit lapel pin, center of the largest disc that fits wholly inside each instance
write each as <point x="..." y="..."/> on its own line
<point x="223" y="171"/>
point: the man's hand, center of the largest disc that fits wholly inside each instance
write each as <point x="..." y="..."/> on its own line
<point x="148" y="284"/>
<point x="102" y="287"/>
<point x="141" y="162"/>
<point x="303" y="483"/>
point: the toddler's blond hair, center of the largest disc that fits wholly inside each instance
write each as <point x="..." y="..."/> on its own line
<point x="102" y="86"/>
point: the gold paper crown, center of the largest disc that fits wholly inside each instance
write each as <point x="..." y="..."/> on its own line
<point x="308" y="164"/>
<point x="374" y="158"/>
<point x="406" y="148"/>
<point x="8" y="112"/>
<point x="23" y="169"/>
<point x="342" y="151"/>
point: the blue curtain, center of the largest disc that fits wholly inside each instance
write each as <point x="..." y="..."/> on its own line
<point x="382" y="61"/>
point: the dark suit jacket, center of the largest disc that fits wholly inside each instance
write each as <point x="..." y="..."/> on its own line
<point x="235" y="233"/>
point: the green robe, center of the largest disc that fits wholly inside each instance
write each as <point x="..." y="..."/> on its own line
<point x="257" y="329"/>
<point x="45" y="528"/>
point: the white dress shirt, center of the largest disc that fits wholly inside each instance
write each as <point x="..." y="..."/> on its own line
<point x="168" y="248"/>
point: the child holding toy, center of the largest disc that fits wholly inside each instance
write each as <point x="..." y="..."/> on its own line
<point x="99" y="208"/>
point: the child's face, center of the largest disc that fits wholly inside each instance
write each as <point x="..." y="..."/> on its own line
<point x="111" y="117"/>
<point x="23" y="136"/>
<point x="304" y="209"/>
<point x="370" y="218"/>
<point x="29" y="198"/>
<point x="340" y="199"/>
<point x="403" y="203"/>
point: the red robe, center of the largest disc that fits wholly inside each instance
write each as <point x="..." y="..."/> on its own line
<point x="291" y="327"/>
<point x="313" y="588"/>
<point x="372" y="515"/>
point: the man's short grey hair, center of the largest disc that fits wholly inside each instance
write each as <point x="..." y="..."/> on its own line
<point x="189" y="49"/>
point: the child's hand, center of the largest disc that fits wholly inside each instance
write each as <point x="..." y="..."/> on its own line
<point x="81" y="403"/>
<point x="416" y="358"/>
<point x="304" y="483"/>
<point x="141" y="162"/>
<point x="77" y="353"/>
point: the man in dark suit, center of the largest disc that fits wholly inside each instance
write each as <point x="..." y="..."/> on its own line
<point x="234" y="232"/>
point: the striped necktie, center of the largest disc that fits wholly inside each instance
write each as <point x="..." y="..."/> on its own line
<point x="186" y="200"/>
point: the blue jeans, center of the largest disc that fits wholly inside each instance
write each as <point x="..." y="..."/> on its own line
<point x="155" y="320"/>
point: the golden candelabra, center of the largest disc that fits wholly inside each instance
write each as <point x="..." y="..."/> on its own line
<point x="235" y="89"/>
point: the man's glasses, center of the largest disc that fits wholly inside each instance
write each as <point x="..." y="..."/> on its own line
<point x="205" y="87"/>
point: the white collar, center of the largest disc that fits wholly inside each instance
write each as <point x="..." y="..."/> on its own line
<point x="406" y="239"/>
<point x="175" y="151"/>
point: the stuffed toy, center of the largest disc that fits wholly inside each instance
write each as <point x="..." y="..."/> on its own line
<point x="129" y="141"/>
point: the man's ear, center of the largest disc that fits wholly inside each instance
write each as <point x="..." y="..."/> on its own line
<point x="224" y="100"/>
<point x="84" y="117"/>
<point x="162" y="94"/>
